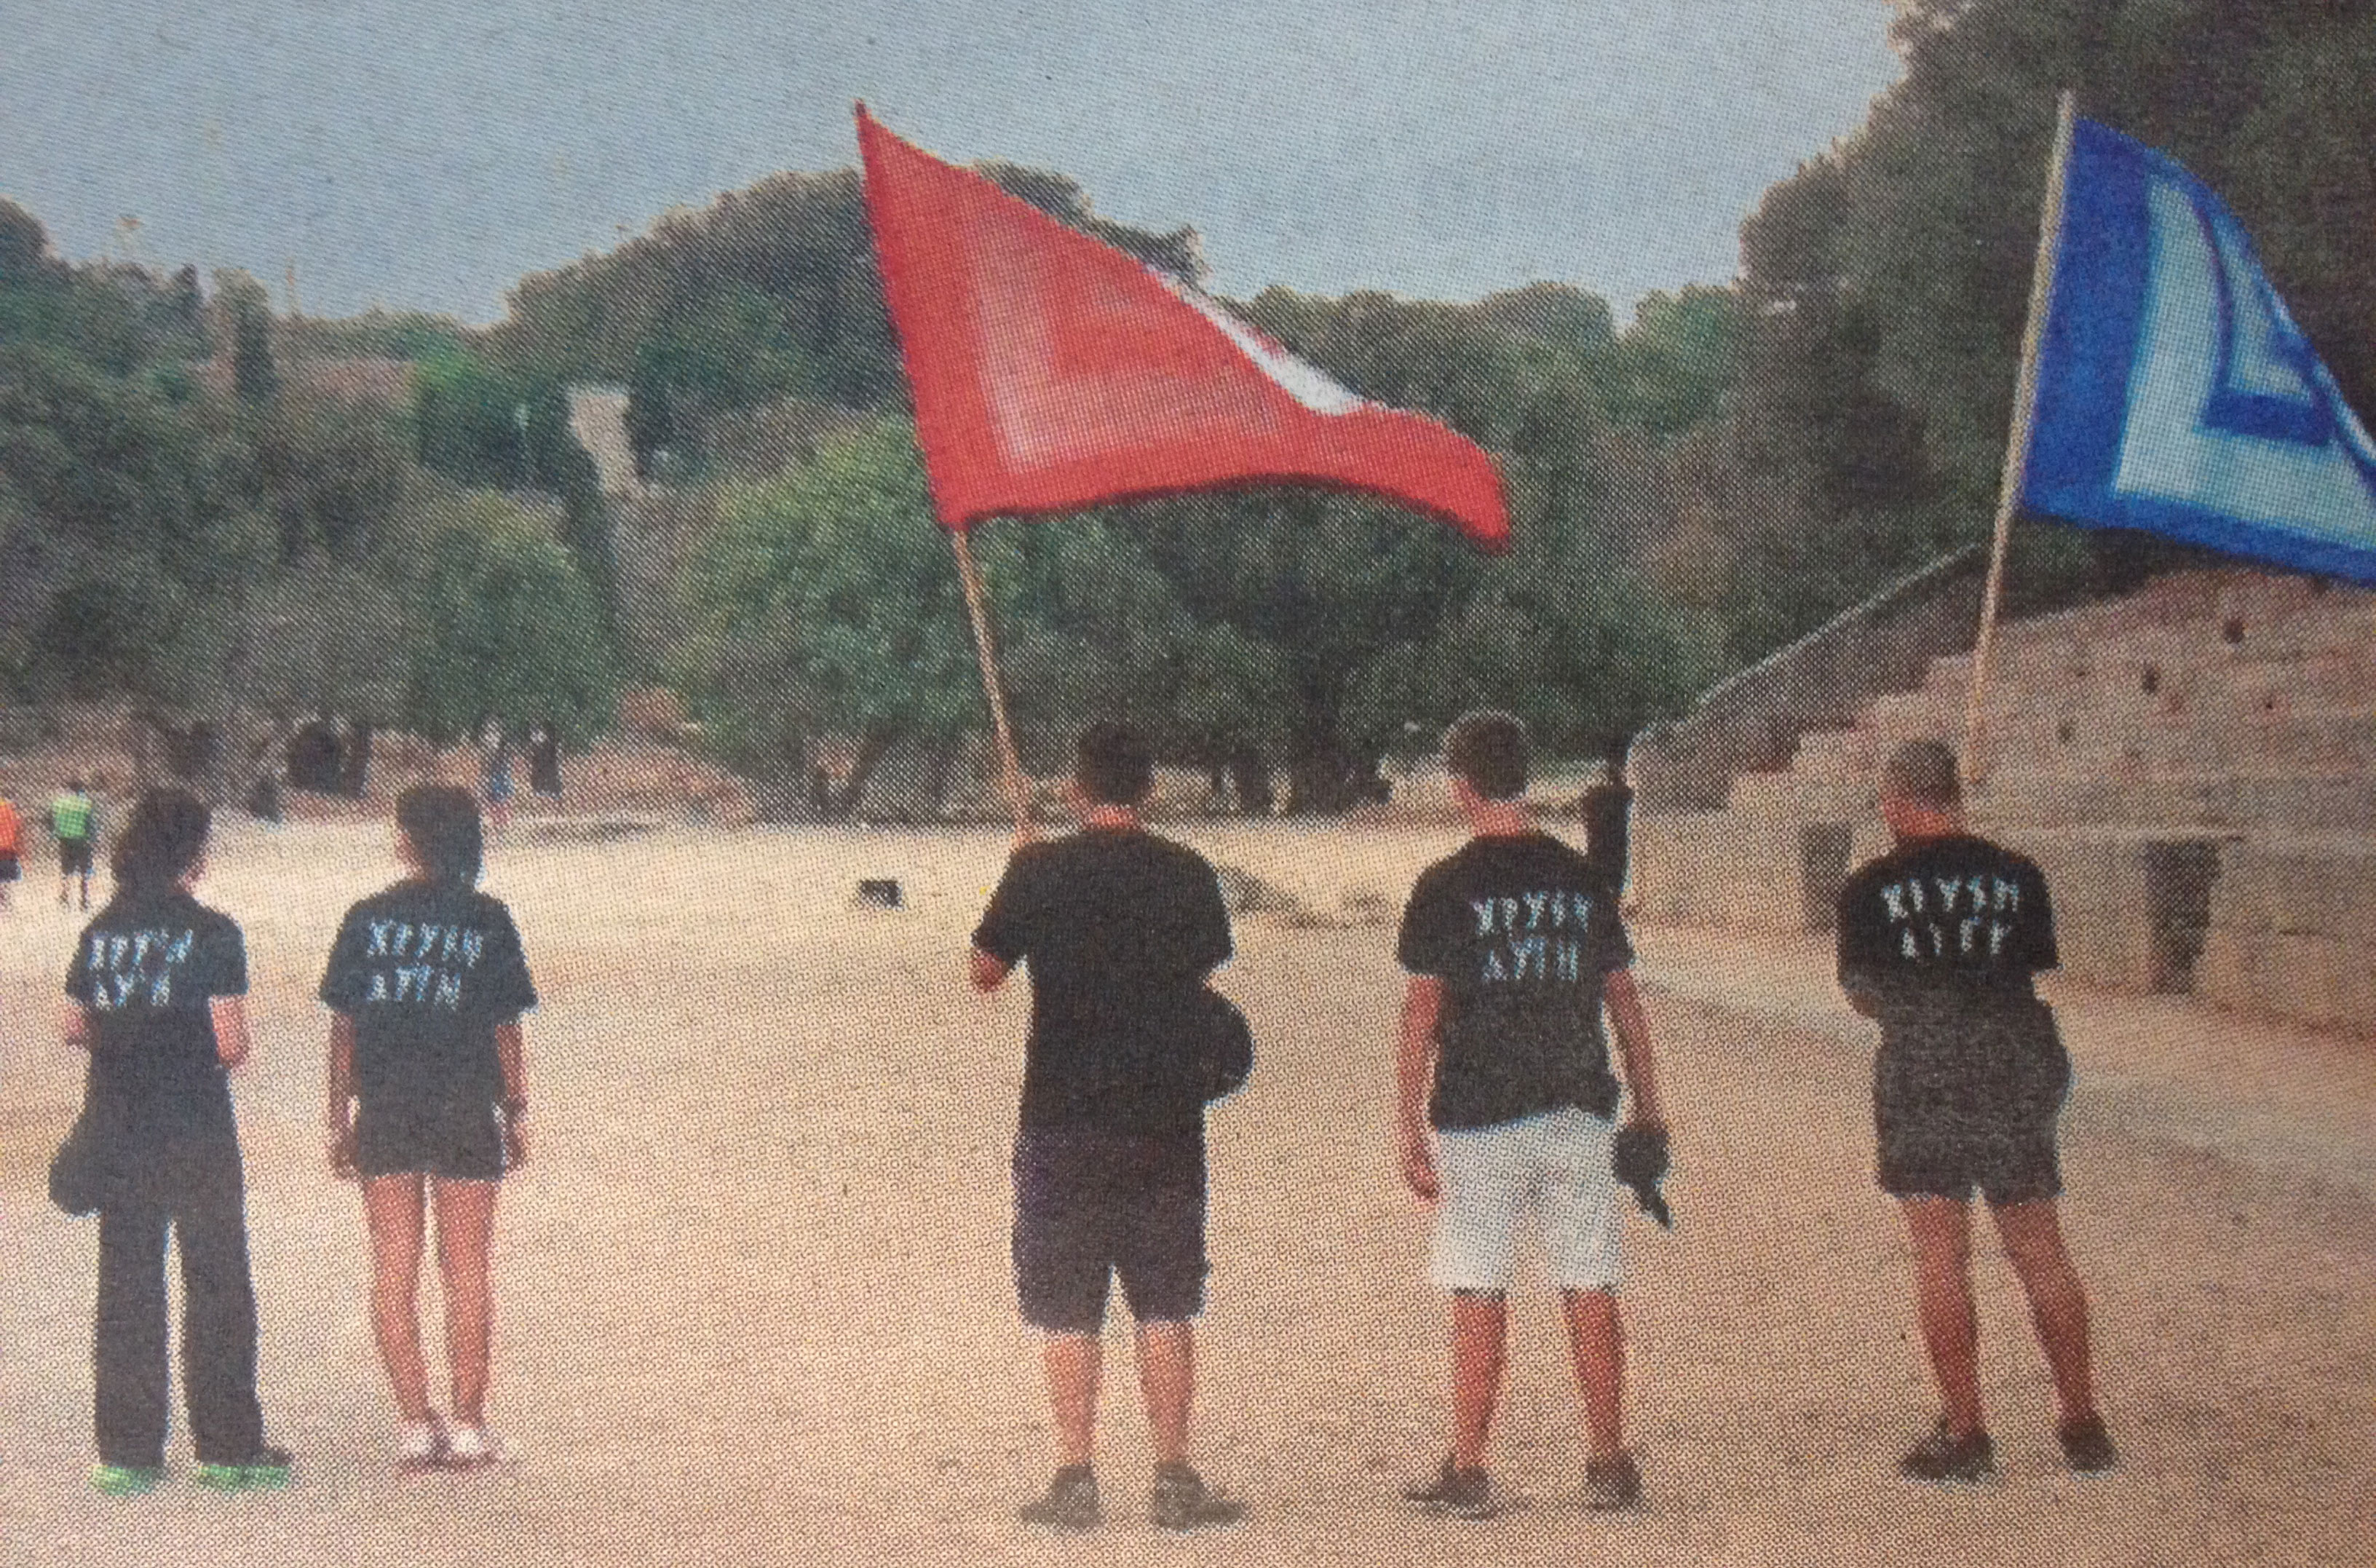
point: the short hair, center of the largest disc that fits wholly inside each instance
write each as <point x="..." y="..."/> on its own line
<point x="1114" y="763"/>
<point x="163" y="838"/>
<point x="442" y="820"/>
<point x="76" y="786"/>
<point x="1489" y="750"/>
<point x="1923" y="773"/>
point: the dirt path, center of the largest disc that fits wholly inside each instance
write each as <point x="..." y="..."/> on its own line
<point x="754" y="1296"/>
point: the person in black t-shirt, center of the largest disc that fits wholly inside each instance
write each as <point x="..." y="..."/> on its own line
<point x="1120" y="929"/>
<point x="427" y="1093"/>
<point x="1939" y="940"/>
<point x="158" y="983"/>
<point x="1514" y="945"/>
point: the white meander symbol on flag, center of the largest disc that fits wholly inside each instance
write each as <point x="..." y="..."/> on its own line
<point x="2228" y="408"/>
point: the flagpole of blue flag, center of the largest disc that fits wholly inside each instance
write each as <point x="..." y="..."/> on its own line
<point x="2025" y="410"/>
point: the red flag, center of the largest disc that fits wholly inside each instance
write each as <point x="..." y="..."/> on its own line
<point x="1051" y="372"/>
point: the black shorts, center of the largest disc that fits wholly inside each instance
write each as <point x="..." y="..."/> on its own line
<point x="455" y="1143"/>
<point x="74" y="855"/>
<point x="1091" y="1203"/>
<point x="1972" y="1107"/>
<point x="9" y="869"/>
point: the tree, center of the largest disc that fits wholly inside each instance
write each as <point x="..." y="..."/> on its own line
<point x="827" y="606"/>
<point x="506" y="629"/>
<point x="253" y="375"/>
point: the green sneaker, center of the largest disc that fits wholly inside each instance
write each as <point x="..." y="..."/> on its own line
<point x="268" y="1469"/>
<point x="125" y="1480"/>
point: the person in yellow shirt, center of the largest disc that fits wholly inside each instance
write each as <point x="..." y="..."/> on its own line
<point x="71" y="822"/>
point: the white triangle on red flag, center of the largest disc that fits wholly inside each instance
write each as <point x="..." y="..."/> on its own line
<point x="1051" y="372"/>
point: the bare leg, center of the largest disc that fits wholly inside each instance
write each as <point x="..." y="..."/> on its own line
<point x="466" y="1219"/>
<point x="1073" y="1362"/>
<point x="1596" y="1341"/>
<point x="1941" y="1233"/>
<point x="1167" y="1379"/>
<point x="1480" y="1328"/>
<point x="392" y="1215"/>
<point x="2058" y="1302"/>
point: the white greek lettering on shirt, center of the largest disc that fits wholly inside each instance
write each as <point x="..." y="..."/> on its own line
<point x="443" y="953"/>
<point x="1528" y="951"/>
<point x="136" y="967"/>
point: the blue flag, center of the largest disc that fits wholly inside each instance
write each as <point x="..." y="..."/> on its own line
<point x="2174" y="393"/>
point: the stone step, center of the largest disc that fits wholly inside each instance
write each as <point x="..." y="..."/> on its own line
<point x="2208" y="802"/>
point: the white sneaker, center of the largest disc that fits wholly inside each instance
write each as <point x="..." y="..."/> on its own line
<point x="419" y="1445"/>
<point x="474" y="1448"/>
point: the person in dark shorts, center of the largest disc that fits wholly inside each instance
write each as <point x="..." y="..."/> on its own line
<point x="1939" y="940"/>
<point x="1505" y="1101"/>
<point x="1120" y="929"/>
<point x="157" y="983"/>
<point x="1607" y="808"/>
<point x="73" y="821"/>
<point x="428" y="1094"/>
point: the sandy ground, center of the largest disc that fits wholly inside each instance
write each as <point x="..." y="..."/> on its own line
<point x="753" y="1293"/>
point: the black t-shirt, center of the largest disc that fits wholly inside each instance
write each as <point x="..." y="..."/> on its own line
<point x="1523" y="931"/>
<point x="1120" y="928"/>
<point x="147" y="970"/>
<point x="1945" y="927"/>
<point x="427" y="970"/>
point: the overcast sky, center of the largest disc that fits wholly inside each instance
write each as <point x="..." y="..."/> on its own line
<point x="425" y="153"/>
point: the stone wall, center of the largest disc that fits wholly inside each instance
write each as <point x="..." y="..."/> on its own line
<point x="1752" y="721"/>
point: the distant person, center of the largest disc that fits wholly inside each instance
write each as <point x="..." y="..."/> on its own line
<point x="545" y="760"/>
<point x="12" y="836"/>
<point x="1506" y="1104"/>
<point x="74" y="823"/>
<point x="1939" y="939"/>
<point x="428" y="1101"/>
<point x="498" y="784"/>
<point x="1121" y="929"/>
<point x="157" y="981"/>
<point x="1607" y="808"/>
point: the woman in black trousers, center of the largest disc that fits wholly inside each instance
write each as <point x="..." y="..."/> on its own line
<point x="157" y="981"/>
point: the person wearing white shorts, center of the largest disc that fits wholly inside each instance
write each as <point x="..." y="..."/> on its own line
<point x="1549" y="1172"/>
<point x="1506" y="1101"/>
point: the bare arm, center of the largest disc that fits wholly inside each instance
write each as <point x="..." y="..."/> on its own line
<point x="511" y="1054"/>
<point x="232" y="1040"/>
<point x="986" y="972"/>
<point x="75" y="1026"/>
<point x="1414" y="1075"/>
<point x="339" y="1081"/>
<point x="1632" y="1026"/>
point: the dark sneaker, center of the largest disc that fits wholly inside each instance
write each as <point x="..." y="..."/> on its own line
<point x="1069" y="1503"/>
<point x="1612" y="1483"/>
<point x="2086" y="1446"/>
<point x="1942" y="1459"/>
<point x="1464" y="1494"/>
<point x="1179" y="1501"/>
<point x="125" y="1480"/>
<point x="266" y="1469"/>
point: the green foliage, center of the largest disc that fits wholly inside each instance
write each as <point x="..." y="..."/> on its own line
<point x="254" y="374"/>
<point x="826" y="603"/>
<point x="507" y="629"/>
<point x="1886" y="283"/>
<point x="378" y="333"/>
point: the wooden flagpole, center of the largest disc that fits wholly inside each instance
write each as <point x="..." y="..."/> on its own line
<point x="2025" y="409"/>
<point x="1010" y="766"/>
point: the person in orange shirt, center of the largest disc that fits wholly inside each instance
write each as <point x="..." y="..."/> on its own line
<point x="10" y="831"/>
